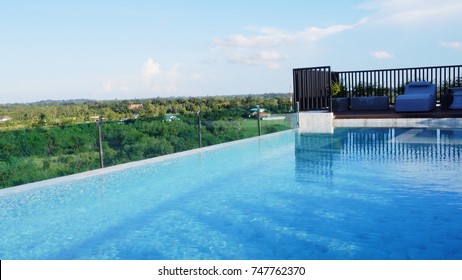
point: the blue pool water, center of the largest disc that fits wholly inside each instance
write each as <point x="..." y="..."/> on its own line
<point x="354" y="194"/>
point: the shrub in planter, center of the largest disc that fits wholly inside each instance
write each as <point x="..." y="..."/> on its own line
<point x="340" y="101"/>
<point x="369" y="97"/>
<point x="447" y="97"/>
<point x="446" y="100"/>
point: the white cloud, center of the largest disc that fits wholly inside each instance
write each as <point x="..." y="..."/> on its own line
<point x="173" y="73"/>
<point x="152" y="78"/>
<point x="158" y="80"/>
<point x="452" y="45"/>
<point x="252" y="49"/>
<point x="264" y="58"/>
<point x="268" y="37"/>
<point x="107" y="86"/>
<point x="150" y="69"/>
<point x="412" y="12"/>
<point x="382" y="54"/>
<point x="314" y="34"/>
<point x="117" y="84"/>
<point x="270" y="55"/>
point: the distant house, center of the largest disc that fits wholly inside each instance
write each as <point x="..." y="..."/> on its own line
<point x="5" y="118"/>
<point x="171" y="117"/>
<point x="122" y="121"/>
<point x="94" y="118"/>
<point x="254" y="112"/>
<point x="135" y="106"/>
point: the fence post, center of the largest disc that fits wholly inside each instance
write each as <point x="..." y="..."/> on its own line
<point x="199" y="128"/>
<point x="99" y="122"/>
<point x="259" y="121"/>
<point x="297" y="108"/>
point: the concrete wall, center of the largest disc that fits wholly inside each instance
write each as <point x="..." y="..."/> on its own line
<point x="324" y="122"/>
<point x="316" y="122"/>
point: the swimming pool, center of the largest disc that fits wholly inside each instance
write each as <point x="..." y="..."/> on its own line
<point x="359" y="193"/>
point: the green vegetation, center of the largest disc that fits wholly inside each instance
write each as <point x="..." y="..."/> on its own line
<point x="46" y="113"/>
<point x="368" y="89"/>
<point x="46" y="140"/>
<point x="338" y="89"/>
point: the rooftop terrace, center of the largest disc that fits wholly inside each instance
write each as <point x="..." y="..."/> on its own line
<point x="313" y="87"/>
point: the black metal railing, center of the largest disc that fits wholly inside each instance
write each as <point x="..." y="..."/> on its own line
<point x="312" y="86"/>
<point x="391" y="82"/>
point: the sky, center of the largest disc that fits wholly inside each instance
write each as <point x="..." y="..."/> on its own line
<point x="137" y="49"/>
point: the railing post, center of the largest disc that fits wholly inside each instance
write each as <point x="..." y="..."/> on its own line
<point x="297" y="108"/>
<point x="199" y="128"/>
<point x="99" y="122"/>
<point x="259" y="121"/>
<point x="329" y="93"/>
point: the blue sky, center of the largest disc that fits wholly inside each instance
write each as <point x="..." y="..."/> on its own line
<point x="142" y="49"/>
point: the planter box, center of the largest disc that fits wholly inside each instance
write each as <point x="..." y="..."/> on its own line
<point x="369" y="103"/>
<point x="457" y="98"/>
<point x="446" y="101"/>
<point x="340" y="104"/>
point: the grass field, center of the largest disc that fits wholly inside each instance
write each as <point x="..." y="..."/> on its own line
<point x="250" y="126"/>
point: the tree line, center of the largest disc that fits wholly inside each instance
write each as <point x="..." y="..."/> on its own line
<point x="79" y="111"/>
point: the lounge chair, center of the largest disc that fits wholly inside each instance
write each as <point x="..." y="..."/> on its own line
<point x="417" y="97"/>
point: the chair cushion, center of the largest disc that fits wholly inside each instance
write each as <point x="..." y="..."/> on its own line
<point x="419" y="84"/>
<point x="415" y="96"/>
<point x="417" y="102"/>
<point x="418" y="96"/>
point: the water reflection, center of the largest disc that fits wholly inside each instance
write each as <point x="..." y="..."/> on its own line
<point x="318" y="153"/>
